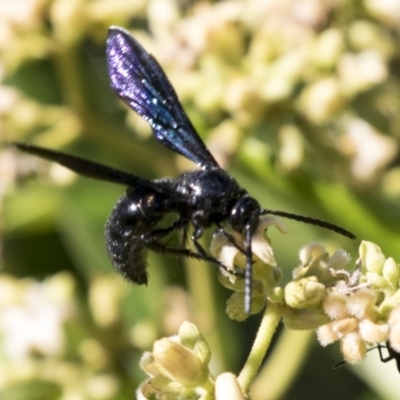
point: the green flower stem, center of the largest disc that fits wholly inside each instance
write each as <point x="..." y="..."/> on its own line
<point x="68" y="68"/>
<point x="261" y="343"/>
<point x="275" y="376"/>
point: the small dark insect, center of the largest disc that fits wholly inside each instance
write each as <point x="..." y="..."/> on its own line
<point x="202" y="198"/>
<point x="393" y="354"/>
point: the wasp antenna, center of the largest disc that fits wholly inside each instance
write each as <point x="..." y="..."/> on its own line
<point x="311" y="221"/>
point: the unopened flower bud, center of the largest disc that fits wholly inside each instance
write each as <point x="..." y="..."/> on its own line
<point x="371" y="257"/>
<point x="361" y="71"/>
<point x="387" y="305"/>
<point x="328" y="47"/>
<point x="391" y="271"/>
<point x="387" y="11"/>
<point x="376" y="280"/>
<point x="179" y="363"/>
<point x="321" y="100"/>
<point x="188" y="334"/>
<point x="227" y="387"/>
<point x="305" y="292"/>
<point x="191" y="338"/>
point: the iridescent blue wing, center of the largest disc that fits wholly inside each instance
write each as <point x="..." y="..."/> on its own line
<point x="87" y="168"/>
<point x="137" y="78"/>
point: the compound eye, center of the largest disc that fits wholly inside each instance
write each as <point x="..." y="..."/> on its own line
<point x="246" y="211"/>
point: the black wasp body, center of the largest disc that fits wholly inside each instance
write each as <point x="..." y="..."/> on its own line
<point x="199" y="199"/>
<point x="133" y="224"/>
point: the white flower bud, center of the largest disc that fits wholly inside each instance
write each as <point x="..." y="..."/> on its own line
<point x="321" y="100"/>
<point x="371" y="256"/>
<point x="391" y="271"/>
<point x="227" y="387"/>
<point x="327" y="48"/>
<point x="179" y="363"/>
<point x="305" y="292"/>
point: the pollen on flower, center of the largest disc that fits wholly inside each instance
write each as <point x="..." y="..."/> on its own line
<point x="335" y="305"/>
<point x="373" y="332"/>
<point x="327" y="335"/>
<point x="353" y="348"/>
<point x="345" y="326"/>
<point x="362" y="304"/>
<point x="354" y="322"/>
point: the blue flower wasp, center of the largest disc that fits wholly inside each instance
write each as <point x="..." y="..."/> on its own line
<point x="202" y="198"/>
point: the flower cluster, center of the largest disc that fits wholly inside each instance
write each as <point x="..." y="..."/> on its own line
<point x="364" y="312"/>
<point x="32" y="315"/>
<point x="359" y="307"/>
<point x="354" y="321"/>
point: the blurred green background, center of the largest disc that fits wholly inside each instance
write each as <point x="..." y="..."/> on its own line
<point x="299" y="100"/>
